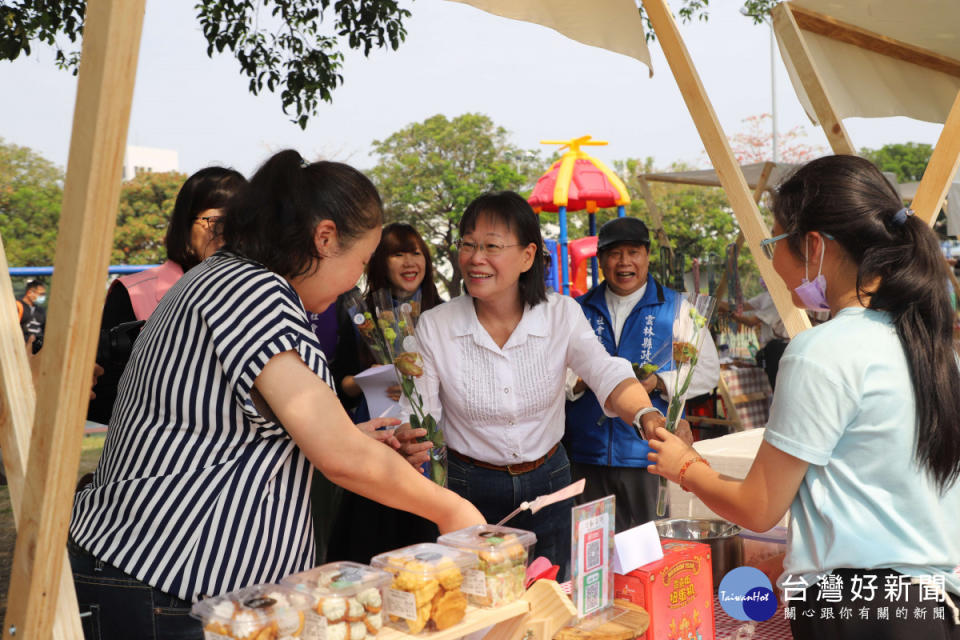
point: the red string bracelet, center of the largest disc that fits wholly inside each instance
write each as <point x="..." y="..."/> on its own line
<point x="686" y="465"/>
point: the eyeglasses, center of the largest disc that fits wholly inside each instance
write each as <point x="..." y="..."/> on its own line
<point x="767" y="244"/>
<point x="208" y="221"/>
<point x="492" y="250"/>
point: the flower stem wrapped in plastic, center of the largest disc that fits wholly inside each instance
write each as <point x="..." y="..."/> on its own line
<point x="690" y="329"/>
<point x="397" y="321"/>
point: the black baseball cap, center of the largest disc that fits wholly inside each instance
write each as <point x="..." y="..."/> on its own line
<point x="623" y="231"/>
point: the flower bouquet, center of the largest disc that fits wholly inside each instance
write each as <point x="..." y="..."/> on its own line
<point x="652" y="362"/>
<point x="689" y="331"/>
<point x="388" y="330"/>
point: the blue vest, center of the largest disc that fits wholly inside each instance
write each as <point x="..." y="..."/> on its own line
<point x="591" y="437"/>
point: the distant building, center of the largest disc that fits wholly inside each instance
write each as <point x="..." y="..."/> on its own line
<point x="149" y="160"/>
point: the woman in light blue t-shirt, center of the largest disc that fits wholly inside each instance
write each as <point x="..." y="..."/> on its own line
<point x="863" y="442"/>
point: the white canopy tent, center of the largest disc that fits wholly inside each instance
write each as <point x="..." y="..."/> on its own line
<point x="876" y="58"/>
<point x="881" y="58"/>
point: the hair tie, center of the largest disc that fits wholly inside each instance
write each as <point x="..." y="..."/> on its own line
<point x="900" y="217"/>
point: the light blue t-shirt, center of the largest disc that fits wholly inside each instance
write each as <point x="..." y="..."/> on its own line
<point x="844" y="403"/>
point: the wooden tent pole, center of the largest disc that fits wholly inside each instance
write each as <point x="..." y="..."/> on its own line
<point x="16" y="423"/>
<point x="111" y="44"/>
<point x="788" y="33"/>
<point x="718" y="148"/>
<point x="655" y="216"/>
<point x="933" y="187"/>
<point x="757" y="195"/>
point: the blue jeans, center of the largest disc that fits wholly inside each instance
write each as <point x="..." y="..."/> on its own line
<point x="497" y="493"/>
<point x="120" y="607"/>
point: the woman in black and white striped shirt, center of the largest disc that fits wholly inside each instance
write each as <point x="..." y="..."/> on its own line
<point x="204" y="480"/>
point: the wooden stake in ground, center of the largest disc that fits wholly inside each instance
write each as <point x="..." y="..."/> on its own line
<point x="16" y="423"/>
<point x="718" y="148"/>
<point x="111" y="44"/>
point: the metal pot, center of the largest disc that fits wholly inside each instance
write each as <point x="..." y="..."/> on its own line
<point x="726" y="546"/>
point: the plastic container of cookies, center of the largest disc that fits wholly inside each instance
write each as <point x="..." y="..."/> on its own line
<point x="346" y="599"/>
<point x="266" y="610"/>
<point x="502" y="555"/>
<point x="426" y="589"/>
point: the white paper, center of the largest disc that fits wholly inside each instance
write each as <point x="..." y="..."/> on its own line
<point x="636" y="547"/>
<point x="374" y="382"/>
<point x="400" y="603"/>
<point x="474" y="583"/>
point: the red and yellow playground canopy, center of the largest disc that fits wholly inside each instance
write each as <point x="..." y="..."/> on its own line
<point x="578" y="181"/>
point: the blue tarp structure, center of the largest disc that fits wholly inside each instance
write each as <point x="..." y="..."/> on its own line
<point x="115" y="269"/>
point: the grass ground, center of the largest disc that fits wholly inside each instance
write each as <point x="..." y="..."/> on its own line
<point x="89" y="456"/>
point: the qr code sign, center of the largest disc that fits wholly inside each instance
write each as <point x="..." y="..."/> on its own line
<point x="591" y="596"/>
<point x="593" y="550"/>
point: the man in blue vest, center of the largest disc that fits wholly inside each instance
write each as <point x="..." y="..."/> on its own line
<point x="633" y="316"/>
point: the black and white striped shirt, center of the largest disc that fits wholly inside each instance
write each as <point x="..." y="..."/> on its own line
<point x="196" y="492"/>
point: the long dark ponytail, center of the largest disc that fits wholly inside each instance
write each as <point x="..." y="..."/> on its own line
<point x="273" y="219"/>
<point x="848" y="198"/>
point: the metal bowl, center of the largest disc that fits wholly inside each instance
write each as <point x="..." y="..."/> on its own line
<point x="726" y="546"/>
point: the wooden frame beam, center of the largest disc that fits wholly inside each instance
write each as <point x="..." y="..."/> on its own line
<point x="942" y="167"/>
<point x="834" y="29"/>
<point x="111" y="45"/>
<point x="698" y="182"/>
<point x="757" y="196"/>
<point x="676" y="180"/>
<point x="16" y="423"/>
<point x="718" y="148"/>
<point x="788" y="33"/>
<point x="655" y="216"/>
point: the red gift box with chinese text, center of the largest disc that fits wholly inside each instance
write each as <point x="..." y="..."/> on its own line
<point x="677" y="592"/>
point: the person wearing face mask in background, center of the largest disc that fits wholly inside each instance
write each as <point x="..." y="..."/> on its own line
<point x="192" y="236"/>
<point x="363" y="528"/>
<point x="863" y="441"/>
<point x="33" y="318"/>
<point x="631" y="313"/>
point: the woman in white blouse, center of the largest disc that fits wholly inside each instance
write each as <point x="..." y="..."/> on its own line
<point x="494" y="369"/>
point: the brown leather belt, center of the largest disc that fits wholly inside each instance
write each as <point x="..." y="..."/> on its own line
<point x="512" y="469"/>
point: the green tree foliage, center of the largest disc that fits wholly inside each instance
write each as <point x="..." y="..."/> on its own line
<point x="31" y="192"/>
<point x="699" y="221"/>
<point x="428" y="172"/>
<point x="908" y="160"/>
<point x="146" y="203"/>
<point x="284" y="45"/>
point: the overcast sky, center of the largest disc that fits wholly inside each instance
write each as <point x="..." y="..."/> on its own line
<point x="456" y="59"/>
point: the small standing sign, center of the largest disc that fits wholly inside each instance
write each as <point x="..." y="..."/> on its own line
<point x="593" y="527"/>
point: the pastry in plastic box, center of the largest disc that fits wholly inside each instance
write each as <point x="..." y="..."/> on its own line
<point x="425" y="588"/>
<point x="261" y="612"/>
<point x="503" y="553"/>
<point x="346" y="597"/>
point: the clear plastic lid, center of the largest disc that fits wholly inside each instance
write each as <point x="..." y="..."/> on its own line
<point x="490" y="541"/>
<point x="244" y="613"/>
<point x="427" y="560"/>
<point x="344" y="579"/>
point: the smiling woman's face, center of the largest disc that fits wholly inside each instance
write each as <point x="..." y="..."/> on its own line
<point x="494" y="277"/>
<point x="406" y="270"/>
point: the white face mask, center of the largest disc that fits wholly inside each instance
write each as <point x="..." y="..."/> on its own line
<point x="41" y="299"/>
